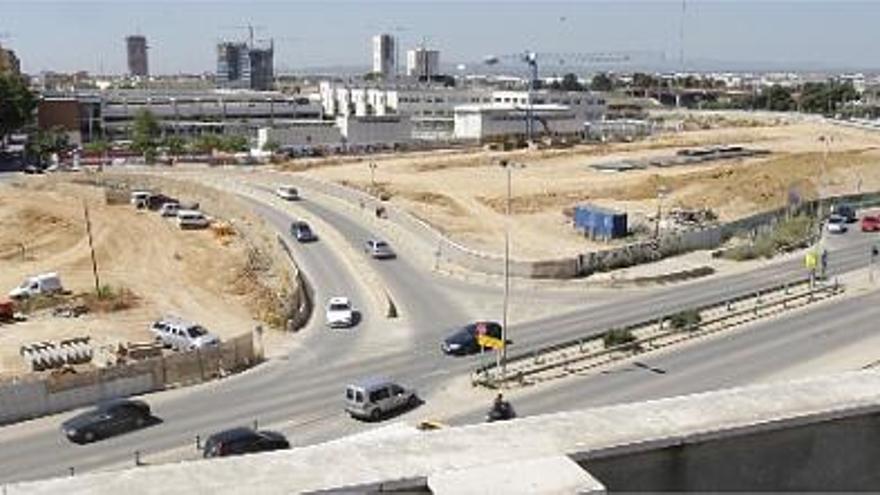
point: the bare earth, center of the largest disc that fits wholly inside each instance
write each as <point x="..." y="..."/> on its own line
<point x="464" y="193"/>
<point x="191" y="274"/>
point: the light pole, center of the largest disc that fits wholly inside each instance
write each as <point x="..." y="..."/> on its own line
<point x="373" y="175"/>
<point x="502" y="356"/>
<point x="661" y="192"/>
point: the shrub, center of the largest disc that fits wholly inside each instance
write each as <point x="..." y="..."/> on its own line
<point x="618" y="337"/>
<point x="686" y="320"/>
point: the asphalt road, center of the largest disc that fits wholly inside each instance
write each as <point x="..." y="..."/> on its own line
<point x="302" y="393"/>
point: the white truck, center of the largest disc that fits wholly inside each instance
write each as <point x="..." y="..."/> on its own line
<point x="44" y="283"/>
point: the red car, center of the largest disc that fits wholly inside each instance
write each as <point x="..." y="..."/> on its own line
<point x="870" y="223"/>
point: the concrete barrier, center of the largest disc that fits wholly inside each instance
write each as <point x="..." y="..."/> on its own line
<point x="35" y="395"/>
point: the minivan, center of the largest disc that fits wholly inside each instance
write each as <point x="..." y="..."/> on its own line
<point x="375" y="397"/>
<point x="192" y="219"/>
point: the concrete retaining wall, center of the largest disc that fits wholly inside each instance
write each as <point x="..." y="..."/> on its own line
<point x="37" y="395"/>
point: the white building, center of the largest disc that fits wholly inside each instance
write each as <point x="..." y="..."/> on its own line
<point x="422" y="63"/>
<point x="504" y="120"/>
<point x="384" y="54"/>
<point x="378" y="131"/>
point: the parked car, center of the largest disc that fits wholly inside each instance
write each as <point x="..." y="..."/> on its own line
<point x="289" y="193"/>
<point x="302" y="232"/>
<point x="378" y="249"/>
<point x="44" y="283"/>
<point x="182" y="335"/>
<point x="870" y="223"/>
<point x="239" y="441"/>
<point x="375" y="397"/>
<point x="464" y="341"/>
<point x="340" y="313"/>
<point x="169" y="209"/>
<point x="140" y="199"/>
<point x="836" y="224"/>
<point x="107" y="419"/>
<point x="192" y="219"/>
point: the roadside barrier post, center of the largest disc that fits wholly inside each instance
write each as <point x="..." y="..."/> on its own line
<point x="137" y="458"/>
<point x="198" y="442"/>
<point x="72" y="471"/>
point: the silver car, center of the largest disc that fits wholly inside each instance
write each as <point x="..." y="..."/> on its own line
<point x="379" y="249"/>
<point x="375" y="397"/>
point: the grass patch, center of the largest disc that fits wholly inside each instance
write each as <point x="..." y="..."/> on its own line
<point x="688" y="319"/>
<point x="617" y="337"/>
<point x="108" y="299"/>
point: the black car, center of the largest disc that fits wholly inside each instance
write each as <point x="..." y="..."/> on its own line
<point x="107" y="419"/>
<point x="238" y="441"/>
<point x="302" y="232"/>
<point x="464" y="341"/>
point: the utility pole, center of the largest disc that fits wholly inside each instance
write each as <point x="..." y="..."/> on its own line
<point x="502" y="355"/>
<point x="92" y="248"/>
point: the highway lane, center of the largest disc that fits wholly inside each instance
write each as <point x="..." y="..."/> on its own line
<point x="306" y="387"/>
<point x="740" y="357"/>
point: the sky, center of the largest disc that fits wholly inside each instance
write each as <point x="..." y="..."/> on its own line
<point x="68" y="35"/>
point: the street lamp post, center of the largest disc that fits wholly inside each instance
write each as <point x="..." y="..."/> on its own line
<point x="502" y="356"/>
<point x="373" y="174"/>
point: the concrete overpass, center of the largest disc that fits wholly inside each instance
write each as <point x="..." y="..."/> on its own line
<point x="807" y="435"/>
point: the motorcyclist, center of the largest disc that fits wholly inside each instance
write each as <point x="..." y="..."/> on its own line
<point x="501" y="409"/>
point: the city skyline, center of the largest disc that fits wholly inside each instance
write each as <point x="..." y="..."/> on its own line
<point x="182" y="37"/>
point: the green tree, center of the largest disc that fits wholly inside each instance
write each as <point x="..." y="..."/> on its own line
<point x="99" y="146"/>
<point x="17" y="104"/>
<point x="43" y="143"/>
<point x="206" y="143"/>
<point x="570" y="82"/>
<point x="601" y="82"/>
<point x="176" y="145"/>
<point x="145" y="135"/>
<point x="234" y="144"/>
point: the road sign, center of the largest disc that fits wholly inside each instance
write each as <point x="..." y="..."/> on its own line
<point x="489" y="341"/>
<point x="811" y="259"/>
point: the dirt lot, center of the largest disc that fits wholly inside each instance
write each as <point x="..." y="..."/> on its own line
<point x="191" y="274"/>
<point x="464" y="194"/>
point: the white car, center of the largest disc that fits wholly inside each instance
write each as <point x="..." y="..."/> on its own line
<point x="836" y="224"/>
<point x="289" y="193"/>
<point x="182" y="335"/>
<point x="169" y="209"/>
<point x="44" y="283"/>
<point x="339" y="313"/>
<point x="192" y="219"/>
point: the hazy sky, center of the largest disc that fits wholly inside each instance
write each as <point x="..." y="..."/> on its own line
<point x="70" y="35"/>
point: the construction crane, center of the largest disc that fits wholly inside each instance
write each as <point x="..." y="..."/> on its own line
<point x="250" y="29"/>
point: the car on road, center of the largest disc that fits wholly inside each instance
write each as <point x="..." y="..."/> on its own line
<point x="340" y="313"/>
<point x="240" y="441"/>
<point x="846" y="211"/>
<point x="289" y="193"/>
<point x="182" y="335"/>
<point x="836" y="224"/>
<point x="870" y="223"/>
<point x="107" y="419"/>
<point x="378" y="249"/>
<point x="302" y="232"/>
<point x="465" y="340"/>
<point x="374" y="398"/>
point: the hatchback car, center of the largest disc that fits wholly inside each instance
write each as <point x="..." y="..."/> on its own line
<point x="836" y="225"/>
<point x="464" y="341"/>
<point x="107" y="419"/>
<point x="302" y="232"/>
<point x="870" y="223"/>
<point x="340" y="313"/>
<point x="375" y="397"/>
<point x="379" y="250"/>
<point x="239" y="441"/>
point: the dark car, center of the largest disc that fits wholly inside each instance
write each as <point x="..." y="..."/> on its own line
<point x="238" y="441"/>
<point x="464" y="341"/>
<point x="33" y="170"/>
<point x="302" y="232"/>
<point x="106" y="420"/>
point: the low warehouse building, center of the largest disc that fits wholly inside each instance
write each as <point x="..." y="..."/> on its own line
<point x="501" y="121"/>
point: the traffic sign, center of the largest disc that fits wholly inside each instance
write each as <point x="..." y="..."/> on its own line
<point x="489" y="341"/>
<point x="811" y="259"/>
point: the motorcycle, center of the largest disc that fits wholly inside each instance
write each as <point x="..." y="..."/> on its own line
<point x="500" y="412"/>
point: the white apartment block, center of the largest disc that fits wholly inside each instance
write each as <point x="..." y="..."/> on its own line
<point x="384" y="54"/>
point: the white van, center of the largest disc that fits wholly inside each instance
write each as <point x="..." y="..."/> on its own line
<point x="192" y="219"/>
<point x="182" y="335"/>
<point x="289" y="193"/>
<point x="140" y="199"/>
<point x="169" y="209"/>
<point x="44" y="283"/>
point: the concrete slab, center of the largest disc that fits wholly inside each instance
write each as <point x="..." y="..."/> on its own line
<point x="548" y="475"/>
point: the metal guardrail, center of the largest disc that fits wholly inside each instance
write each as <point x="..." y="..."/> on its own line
<point x="573" y="350"/>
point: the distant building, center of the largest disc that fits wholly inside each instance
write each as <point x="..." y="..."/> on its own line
<point x="136" y="48"/>
<point x="240" y="66"/>
<point x="423" y="63"/>
<point x="384" y="54"/>
<point x="9" y="63"/>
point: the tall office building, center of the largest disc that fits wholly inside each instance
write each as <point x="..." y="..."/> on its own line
<point x="423" y="63"/>
<point x="384" y="54"/>
<point x="241" y="66"/>
<point x="137" y="55"/>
